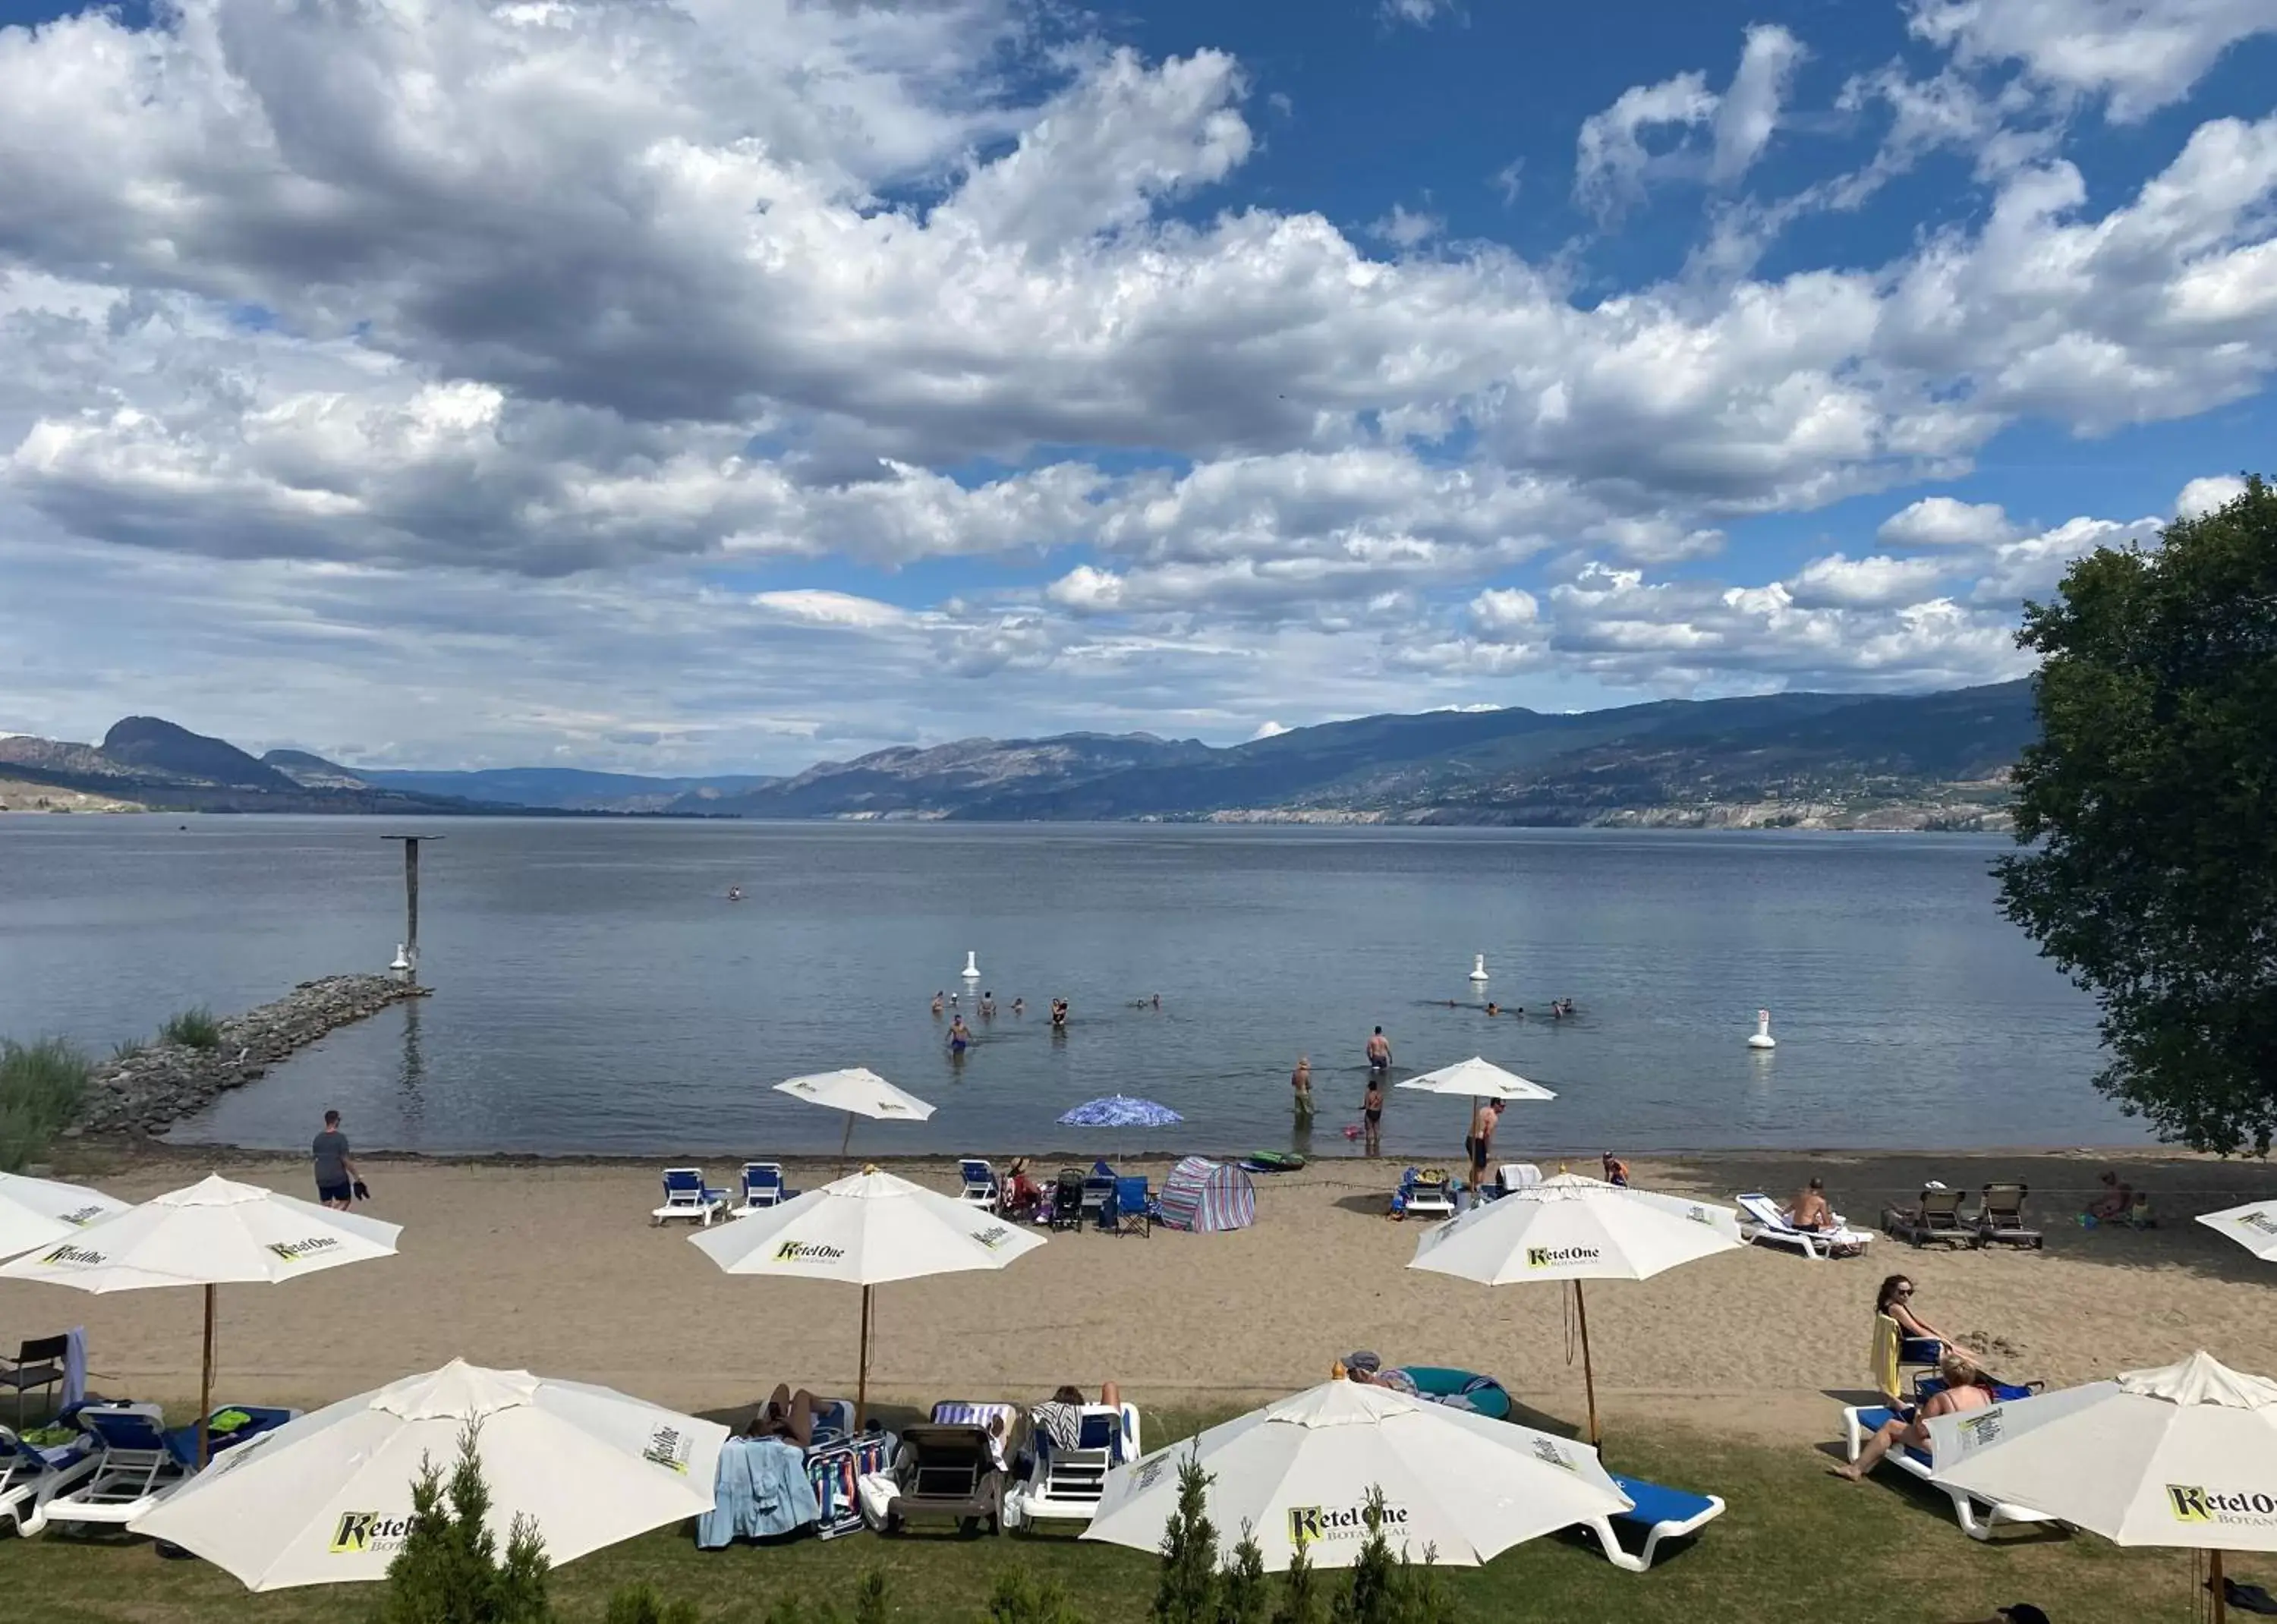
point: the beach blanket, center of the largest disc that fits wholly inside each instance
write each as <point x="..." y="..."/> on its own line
<point x="761" y="1490"/>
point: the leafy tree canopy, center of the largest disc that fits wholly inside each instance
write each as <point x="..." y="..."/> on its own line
<point x="2149" y="808"/>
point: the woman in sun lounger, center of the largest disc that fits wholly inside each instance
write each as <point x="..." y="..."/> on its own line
<point x="2118" y="1198"/>
<point x="1966" y="1388"/>
<point x="788" y="1415"/>
<point x="1896" y="1300"/>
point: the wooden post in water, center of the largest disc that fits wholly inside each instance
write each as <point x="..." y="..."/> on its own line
<point x="411" y="897"/>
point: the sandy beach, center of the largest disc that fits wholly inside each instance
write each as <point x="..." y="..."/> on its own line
<point x="553" y="1266"/>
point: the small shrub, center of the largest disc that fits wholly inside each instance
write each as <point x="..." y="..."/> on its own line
<point x="193" y="1028"/>
<point x="41" y="1087"/>
<point x="127" y="1049"/>
<point x="449" y="1571"/>
<point x="1242" y="1597"/>
<point x="869" y="1599"/>
<point x="1186" y="1591"/>
<point x="1301" y="1593"/>
<point x="1020" y="1598"/>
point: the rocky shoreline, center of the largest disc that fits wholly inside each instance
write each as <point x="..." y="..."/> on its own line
<point x="149" y="1090"/>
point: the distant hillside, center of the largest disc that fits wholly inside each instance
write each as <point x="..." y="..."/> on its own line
<point x="1791" y="760"/>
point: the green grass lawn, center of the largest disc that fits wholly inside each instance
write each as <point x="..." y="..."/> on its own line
<point x="1796" y="1544"/>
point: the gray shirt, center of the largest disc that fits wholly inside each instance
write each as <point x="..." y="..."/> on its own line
<point x="332" y="1149"/>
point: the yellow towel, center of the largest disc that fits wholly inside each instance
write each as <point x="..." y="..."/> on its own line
<point x="1882" y="1357"/>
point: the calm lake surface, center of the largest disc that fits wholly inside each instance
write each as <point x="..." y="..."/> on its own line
<point x="595" y="992"/>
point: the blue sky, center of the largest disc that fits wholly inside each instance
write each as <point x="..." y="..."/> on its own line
<point x="691" y="387"/>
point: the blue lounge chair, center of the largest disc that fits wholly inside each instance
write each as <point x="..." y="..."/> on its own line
<point x="1862" y="1421"/>
<point x="980" y="1182"/>
<point x="1656" y="1512"/>
<point x="140" y="1461"/>
<point x="685" y="1196"/>
<point x="1424" y="1192"/>
<point x="30" y="1476"/>
<point x="763" y="1188"/>
<point x="1064" y="1485"/>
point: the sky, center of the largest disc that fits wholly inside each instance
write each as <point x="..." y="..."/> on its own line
<point x="725" y="385"/>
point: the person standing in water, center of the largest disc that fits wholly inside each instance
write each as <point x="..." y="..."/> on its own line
<point x="1379" y="1052"/>
<point x="939" y="998"/>
<point x="1371" y="1118"/>
<point x="1300" y="1085"/>
<point x="989" y="1007"/>
<point x="960" y="1036"/>
<point x="1020" y="1004"/>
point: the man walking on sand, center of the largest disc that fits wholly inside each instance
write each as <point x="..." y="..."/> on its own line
<point x="336" y="1172"/>
<point x="1379" y="1052"/>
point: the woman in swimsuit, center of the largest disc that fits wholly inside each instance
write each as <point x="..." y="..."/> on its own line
<point x="1966" y="1388"/>
<point x="1896" y="1300"/>
<point x="1371" y="1116"/>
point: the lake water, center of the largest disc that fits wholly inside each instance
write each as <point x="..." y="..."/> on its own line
<point x="595" y="991"/>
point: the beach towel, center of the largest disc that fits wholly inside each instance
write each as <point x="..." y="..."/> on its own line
<point x="74" y="1367"/>
<point x="761" y="1490"/>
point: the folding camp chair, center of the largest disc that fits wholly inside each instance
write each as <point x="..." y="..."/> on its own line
<point x="1134" y="1208"/>
<point x="1936" y="1217"/>
<point x="980" y="1182"/>
<point x="2000" y="1218"/>
<point x="685" y="1196"/>
<point x="763" y="1188"/>
<point x="1893" y="1353"/>
<point x="38" y="1363"/>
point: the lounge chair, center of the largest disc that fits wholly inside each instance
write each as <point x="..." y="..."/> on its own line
<point x="1656" y="1511"/>
<point x="685" y="1196"/>
<point x="140" y="1461"/>
<point x="1134" y="1207"/>
<point x="1893" y="1353"/>
<point x="1862" y="1421"/>
<point x="999" y="1420"/>
<point x="938" y="1472"/>
<point x="764" y="1187"/>
<point x="1067" y="1199"/>
<point x="980" y="1182"/>
<point x="834" y="1471"/>
<point x="38" y="1363"/>
<point x="2000" y="1218"/>
<point x="1934" y="1216"/>
<point x="1510" y="1177"/>
<point x="30" y="1476"/>
<point x="1762" y="1220"/>
<point x="1063" y="1484"/>
<point x="1424" y="1192"/>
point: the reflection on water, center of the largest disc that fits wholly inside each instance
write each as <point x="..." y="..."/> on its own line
<point x="595" y="991"/>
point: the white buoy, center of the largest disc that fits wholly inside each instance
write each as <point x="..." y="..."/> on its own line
<point x="1479" y="967"/>
<point x="1762" y="1039"/>
<point x="402" y="965"/>
<point x="971" y="971"/>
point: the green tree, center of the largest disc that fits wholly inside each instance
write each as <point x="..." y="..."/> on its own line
<point x="1020" y="1598"/>
<point x="1302" y="1597"/>
<point x="449" y="1571"/>
<point x="1186" y="1591"/>
<point x="2150" y="803"/>
<point x="1372" y="1592"/>
<point x="1242" y="1596"/>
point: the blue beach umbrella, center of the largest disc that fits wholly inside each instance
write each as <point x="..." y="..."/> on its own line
<point x="1121" y="1110"/>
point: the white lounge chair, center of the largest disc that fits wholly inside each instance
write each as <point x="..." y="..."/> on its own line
<point x="140" y="1461"/>
<point x="1063" y="1484"/>
<point x="1862" y="1421"/>
<point x="980" y="1182"/>
<point x="685" y="1196"/>
<point x="1660" y="1512"/>
<point x="1762" y="1220"/>
<point x="30" y="1476"/>
<point x="1421" y="1198"/>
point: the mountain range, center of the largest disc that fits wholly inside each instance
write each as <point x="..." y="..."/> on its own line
<point x="1810" y="760"/>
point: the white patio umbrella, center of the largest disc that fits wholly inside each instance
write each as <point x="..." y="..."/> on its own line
<point x="2253" y="1226"/>
<point x="2185" y="1456"/>
<point x="1299" y="1471"/>
<point x="858" y="1092"/>
<point x="868" y="1230"/>
<point x="1478" y="1078"/>
<point x="40" y="1211"/>
<point x="214" y="1233"/>
<point x="326" y="1498"/>
<point x="1576" y="1229"/>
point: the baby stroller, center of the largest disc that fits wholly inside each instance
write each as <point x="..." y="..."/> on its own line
<point x="1067" y="1199"/>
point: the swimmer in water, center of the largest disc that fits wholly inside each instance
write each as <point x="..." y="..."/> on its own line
<point x="960" y="1036"/>
<point x="937" y="1000"/>
<point x="989" y="1007"/>
<point x="1020" y="1004"/>
<point x="734" y="893"/>
<point x="1059" y="1014"/>
<point x="1494" y="1009"/>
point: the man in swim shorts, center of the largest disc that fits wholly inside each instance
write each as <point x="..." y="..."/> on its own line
<point x="1379" y="1052"/>
<point x="1480" y="1143"/>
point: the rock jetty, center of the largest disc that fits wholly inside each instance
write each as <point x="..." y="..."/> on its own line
<point x="154" y="1087"/>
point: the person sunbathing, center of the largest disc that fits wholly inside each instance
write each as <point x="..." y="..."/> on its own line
<point x="2117" y="1200"/>
<point x="1896" y="1300"/>
<point x="1059" y="1420"/>
<point x="786" y="1415"/>
<point x="1811" y="1211"/>
<point x="1368" y="1369"/>
<point x="1966" y="1388"/>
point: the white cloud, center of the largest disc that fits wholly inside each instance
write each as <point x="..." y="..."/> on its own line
<point x="1749" y="111"/>
<point x="2141" y="54"/>
<point x="2031" y="567"/>
<point x="1506" y="613"/>
<point x="1407" y="230"/>
<point x="1612" y="159"/>
<point x="1421" y="14"/>
<point x="1877" y="582"/>
<point x="1944" y="521"/>
<point x="2203" y="496"/>
<point x="1267" y="730"/>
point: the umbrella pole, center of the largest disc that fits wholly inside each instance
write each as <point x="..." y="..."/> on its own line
<point x="862" y="1380"/>
<point x="205" y="1381"/>
<point x="2220" y="1601"/>
<point x="844" y="1141"/>
<point x="1588" y="1374"/>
